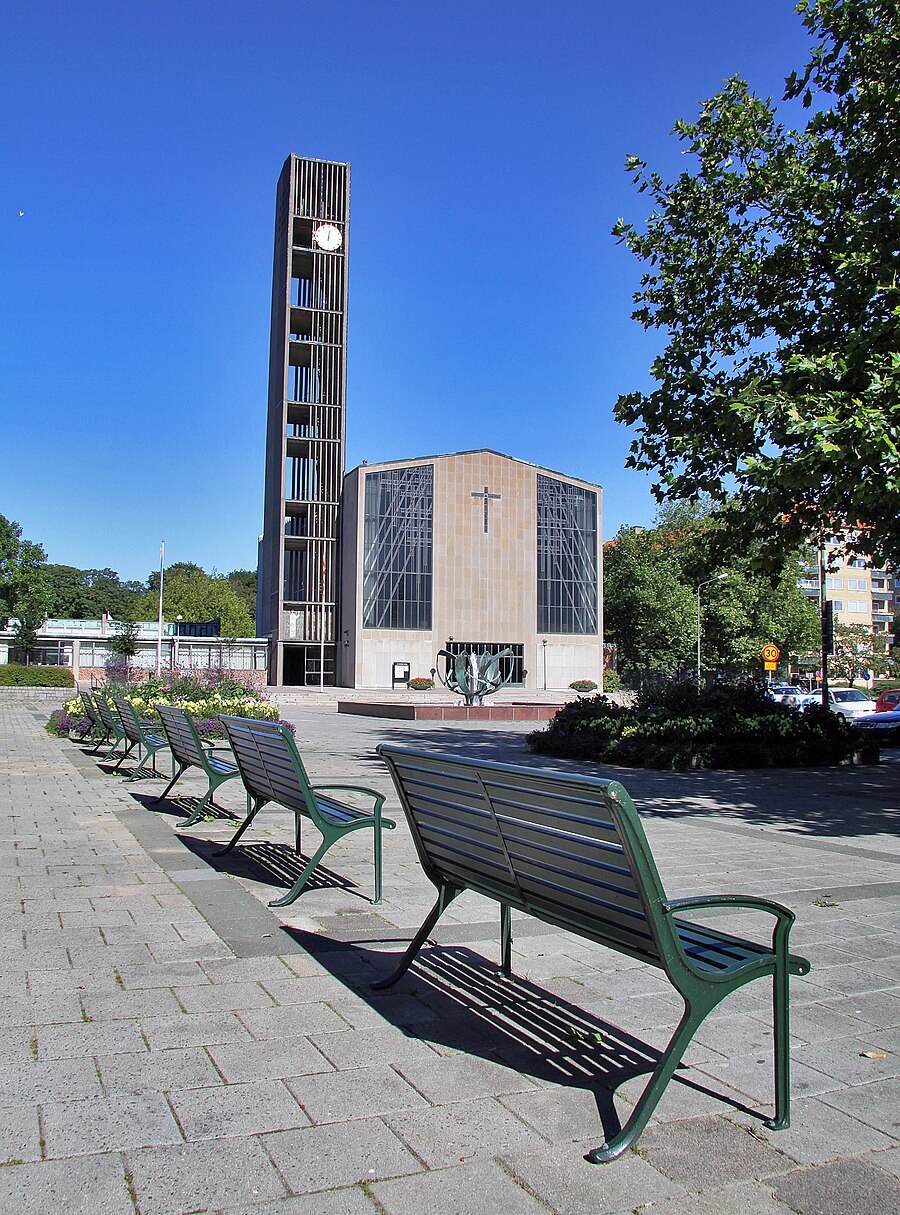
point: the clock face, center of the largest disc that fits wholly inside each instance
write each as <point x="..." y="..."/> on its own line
<point x="328" y="237"/>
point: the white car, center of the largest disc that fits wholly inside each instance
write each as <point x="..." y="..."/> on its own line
<point x="849" y="702"/>
<point x="785" y="692"/>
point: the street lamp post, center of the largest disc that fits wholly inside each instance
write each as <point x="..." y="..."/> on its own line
<point x="718" y="578"/>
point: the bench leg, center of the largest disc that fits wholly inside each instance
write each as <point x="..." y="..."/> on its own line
<point x="257" y="806"/>
<point x="688" y="1025"/>
<point x="123" y="756"/>
<point x="505" y="940"/>
<point x="301" y="881"/>
<point x="782" y="1030"/>
<point x="182" y="768"/>
<point x="446" y="895"/>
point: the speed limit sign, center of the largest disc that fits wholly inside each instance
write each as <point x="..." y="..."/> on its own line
<point x="771" y="653"/>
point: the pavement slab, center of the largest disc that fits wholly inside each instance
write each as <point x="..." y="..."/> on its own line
<point x="173" y="1042"/>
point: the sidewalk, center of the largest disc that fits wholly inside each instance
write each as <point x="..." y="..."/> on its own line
<point x="172" y="1046"/>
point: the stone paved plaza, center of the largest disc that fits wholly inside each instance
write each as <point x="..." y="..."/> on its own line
<point x="171" y="1045"/>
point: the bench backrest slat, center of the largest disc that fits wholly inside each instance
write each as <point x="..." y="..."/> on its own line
<point x="130" y="721"/>
<point x="90" y="709"/>
<point x="106" y="713"/>
<point x="269" y="763"/>
<point x="181" y="734"/>
<point x="569" y="850"/>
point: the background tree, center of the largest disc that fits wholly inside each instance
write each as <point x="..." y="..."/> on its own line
<point x="244" y="584"/>
<point x="190" y="592"/>
<point x="650" y="598"/>
<point x="771" y="266"/>
<point x="857" y="652"/>
<point x="86" y="594"/>
<point x="23" y="591"/>
<point x="124" y="639"/>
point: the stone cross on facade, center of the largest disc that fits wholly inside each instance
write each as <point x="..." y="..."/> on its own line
<point x="487" y="498"/>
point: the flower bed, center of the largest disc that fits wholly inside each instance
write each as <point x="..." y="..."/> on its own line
<point x="203" y="694"/>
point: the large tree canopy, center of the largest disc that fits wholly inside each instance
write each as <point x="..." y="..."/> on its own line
<point x="23" y="590"/>
<point x="650" y="584"/>
<point x="772" y="267"/>
<point x="190" y="592"/>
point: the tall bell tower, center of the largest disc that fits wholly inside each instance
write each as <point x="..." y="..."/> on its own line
<point x="305" y="432"/>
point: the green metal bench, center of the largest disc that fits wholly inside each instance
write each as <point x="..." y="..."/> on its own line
<point x="138" y="734"/>
<point x="109" y="719"/>
<point x="189" y="751"/>
<point x="571" y="851"/>
<point x="272" y="771"/>
<point x="95" y="731"/>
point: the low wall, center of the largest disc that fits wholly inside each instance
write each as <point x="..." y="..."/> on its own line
<point x="49" y="696"/>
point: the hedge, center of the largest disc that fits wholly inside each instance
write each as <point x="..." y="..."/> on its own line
<point x="675" y="725"/>
<point x="14" y="675"/>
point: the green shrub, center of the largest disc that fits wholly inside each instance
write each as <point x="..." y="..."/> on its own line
<point x="421" y="683"/>
<point x="14" y="675"/>
<point x="612" y="681"/>
<point x="673" y="725"/>
<point x="584" y="685"/>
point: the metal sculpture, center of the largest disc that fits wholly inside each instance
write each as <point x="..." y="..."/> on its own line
<point x="474" y="676"/>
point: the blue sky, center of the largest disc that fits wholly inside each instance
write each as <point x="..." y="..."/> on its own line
<point x="489" y="305"/>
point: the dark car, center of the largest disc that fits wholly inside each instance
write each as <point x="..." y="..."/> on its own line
<point x="888" y="700"/>
<point x="884" y="728"/>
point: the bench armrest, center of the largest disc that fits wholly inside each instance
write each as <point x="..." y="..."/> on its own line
<point x="783" y="915"/>
<point x="379" y="798"/>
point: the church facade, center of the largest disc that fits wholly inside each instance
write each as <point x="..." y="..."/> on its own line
<point x="473" y="550"/>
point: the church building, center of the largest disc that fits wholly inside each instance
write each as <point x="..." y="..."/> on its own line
<point x="363" y="578"/>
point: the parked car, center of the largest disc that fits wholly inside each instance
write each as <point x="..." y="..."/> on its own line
<point x="848" y="702"/>
<point x="784" y="691"/>
<point x="888" y="701"/>
<point x="884" y="727"/>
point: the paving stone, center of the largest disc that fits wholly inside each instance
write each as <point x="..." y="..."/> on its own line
<point x="56" y="1080"/>
<point x="237" y="1109"/>
<point x="126" y="1005"/>
<point x="202" y="1176"/>
<point x="559" y="1114"/>
<point x="219" y="997"/>
<point x="103" y="1124"/>
<point x="292" y="1020"/>
<point x="79" y="1186"/>
<point x="880" y="1008"/>
<point x="193" y="1029"/>
<point x="461" y="1078"/>
<point x="90" y="1038"/>
<point x="20" y="1137"/>
<point x="563" y="1179"/>
<point x="818" y="1133"/>
<point x="160" y="1072"/>
<point x="452" y="1134"/>
<point x="889" y="1160"/>
<point x="323" y="1157"/>
<point x="705" y="1152"/>
<point x="748" y="1198"/>
<point x="877" y="1104"/>
<point x="853" y="1186"/>
<point x="356" y="1048"/>
<point x="268" y="1059"/>
<point x="359" y="1093"/>
<point x="351" y="1200"/>
<point x="470" y="1189"/>
<point x="17" y="1044"/>
<point x="754" y="1076"/>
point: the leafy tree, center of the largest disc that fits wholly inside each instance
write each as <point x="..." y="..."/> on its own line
<point x="858" y="650"/>
<point x="87" y="594"/>
<point x="650" y="598"/>
<point x="772" y="268"/>
<point x="124" y="639"/>
<point x="190" y="592"/>
<point x="23" y="591"/>
<point x="244" y="584"/>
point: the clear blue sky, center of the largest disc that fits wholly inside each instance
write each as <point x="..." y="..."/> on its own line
<point x="489" y="305"/>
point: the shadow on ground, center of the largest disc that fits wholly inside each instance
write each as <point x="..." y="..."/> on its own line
<point x="458" y="999"/>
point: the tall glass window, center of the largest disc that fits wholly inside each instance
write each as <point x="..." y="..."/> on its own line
<point x="397" y="554"/>
<point x="567" y="558"/>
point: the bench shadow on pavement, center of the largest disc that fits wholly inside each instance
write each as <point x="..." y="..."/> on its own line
<point x="457" y="999"/>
